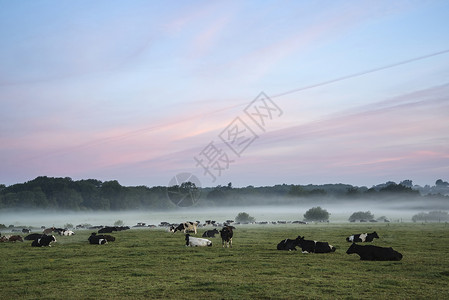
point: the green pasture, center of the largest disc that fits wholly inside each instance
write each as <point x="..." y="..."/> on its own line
<point x="155" y="264"/>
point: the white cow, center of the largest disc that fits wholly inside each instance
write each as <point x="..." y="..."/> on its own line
<point x="67" y="232"/>
<point x="197" y="242"/>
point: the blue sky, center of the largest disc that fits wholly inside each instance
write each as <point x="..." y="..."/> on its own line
<point x="135" y="90"/>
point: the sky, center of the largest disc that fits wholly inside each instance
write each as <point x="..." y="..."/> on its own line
<point x="248" y="92"/>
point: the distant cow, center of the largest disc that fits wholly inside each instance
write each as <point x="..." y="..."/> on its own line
<point x="26" y="230"/>
<point x="43" y="241"/>
<point x="66" y="232"/>
<point x="226" y="236"/>
<point x="49" y="230"/>
<point x="107" y="229"/>
<point x="289" y="244"/>
<point x="362" y="237"/>
<point x="185" y="227"/>
<point x="210" y="233"/>
<point x="95" y="239"/>
<point x="370" y="252"/>
<point x="197" y="242"/>
<point x="33" y="236"/>
<point x="15" y="238"/>
<point x="309" y="246"/>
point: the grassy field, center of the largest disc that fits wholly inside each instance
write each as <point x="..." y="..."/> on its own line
<point x="150" y="263"/>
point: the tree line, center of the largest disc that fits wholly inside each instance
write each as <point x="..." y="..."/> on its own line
<point x="92" y="194"/>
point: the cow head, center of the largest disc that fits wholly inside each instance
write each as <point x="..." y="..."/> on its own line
<point x="351" y="249"/>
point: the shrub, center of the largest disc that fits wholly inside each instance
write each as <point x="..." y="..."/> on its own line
<point x="316" y="214"/>
<point x="243" y="217"/>
<point x="361" y="215"/>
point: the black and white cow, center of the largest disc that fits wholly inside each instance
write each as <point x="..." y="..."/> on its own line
<point x="226" y="236"/>
<point x="197" y="242"/>
<point x="185" y="227"/>
<point x="43" y="241"/>
<point x="362" y="237"/>
<point x="289" y="244"/>
<point x="95" y="239"/>
<point x="370" y="252"/>
<point x="309" y="246"/>
<point x="210" y="233"/>
<point x="66" y="232"/>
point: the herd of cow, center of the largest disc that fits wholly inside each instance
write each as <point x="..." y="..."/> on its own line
<point x="368" y="252"/>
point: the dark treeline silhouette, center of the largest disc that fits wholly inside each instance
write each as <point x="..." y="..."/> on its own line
<point x="91" y="194"/>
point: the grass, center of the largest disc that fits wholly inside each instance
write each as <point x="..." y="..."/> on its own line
<point x="154" y="264"/>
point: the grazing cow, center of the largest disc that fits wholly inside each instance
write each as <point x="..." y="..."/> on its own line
<point x="309" y="246"/>
<point x="210" y="233"/>
<point x="370" y="252"/>
<point x="33" y="236"/>
<point x="289" y="244"/>
<point x="43" y="241"/>
<point x="226" y="236"/>
<point x="185" y="227"/>
<point x="362" y="237"/>
<point x="107" y="229"/>
<point x="95" y="239"/>
<point x="15" y="238"/>
<point x="197" y="242"/>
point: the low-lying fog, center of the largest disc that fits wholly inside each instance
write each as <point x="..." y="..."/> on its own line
<point x="339" y="212"/>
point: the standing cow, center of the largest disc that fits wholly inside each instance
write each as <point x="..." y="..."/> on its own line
<point x="370" y="252"/>
<point x="226" y="236"/>
<point x="185" y="227"/>
<point x="309" y="246"/>
<point x="362" y="237"/>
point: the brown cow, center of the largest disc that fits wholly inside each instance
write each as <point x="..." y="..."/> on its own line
<point x="15" y="238"/>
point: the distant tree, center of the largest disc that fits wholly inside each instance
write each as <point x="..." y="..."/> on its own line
<point x="316" y="214"/>
<point x="407" y="183"/>
<point x="432" y="216"/>
<point x="441" y="183"/>
<point x="118" y="223"/>
<point x="68" y="225"/>
<point x="244" y="217"/>
<point x="361" y="215"/>
<point x="297" y="191"/>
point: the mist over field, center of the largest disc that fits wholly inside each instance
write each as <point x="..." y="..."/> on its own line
<point x="399" y="210"/>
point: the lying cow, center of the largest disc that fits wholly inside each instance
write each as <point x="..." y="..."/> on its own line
<point x="197" y="242"/>
<point x="107" y="229"/>
<point x="309" y="246"/>
<point x="95" y="239"/>
<point x="370" y="252"/>
<point x="66" y="232"/>
<point x="226" y="236"/>
<point x="210" y="233"/>
<point x="185" y="227"/>
<point x="289" y="244"/>
<point x="362" y="237"/>
<point x="43" y="241"/>
<point x="15" y="238"/>
<point x="33" y="236"/>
